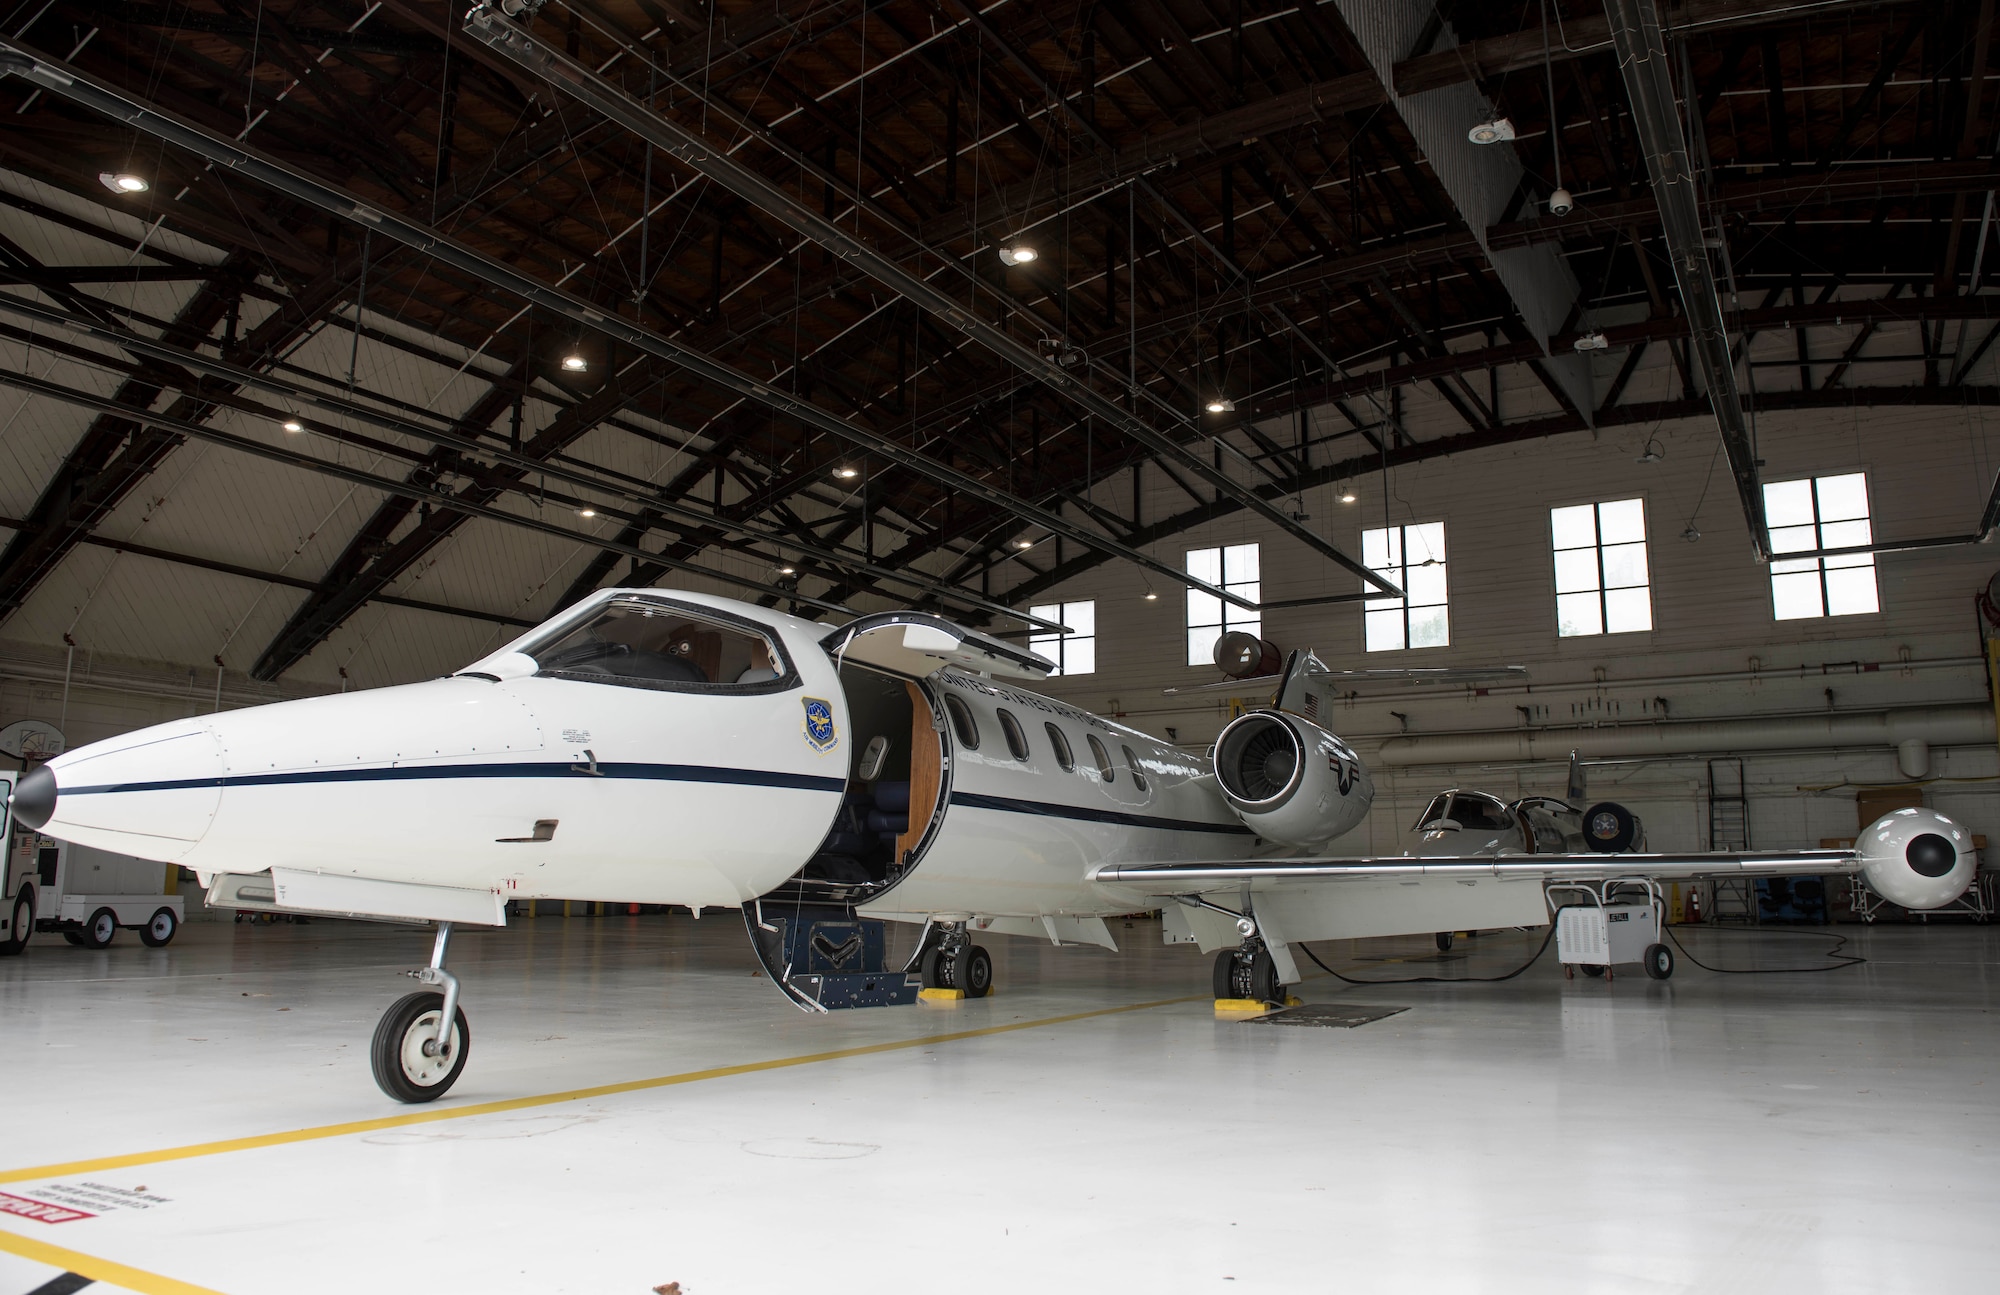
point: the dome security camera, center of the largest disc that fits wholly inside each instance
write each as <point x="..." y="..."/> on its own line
<point x="1560" y="203"/>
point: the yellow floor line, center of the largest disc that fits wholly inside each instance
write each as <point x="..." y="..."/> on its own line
<point x="436" y="1114"/>
<point x="98" y="1270"/>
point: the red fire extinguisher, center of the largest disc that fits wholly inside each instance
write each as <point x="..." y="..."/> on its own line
<point x="1694" y="904"/>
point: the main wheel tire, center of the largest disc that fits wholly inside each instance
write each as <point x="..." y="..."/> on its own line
<point x="933" y="972"/>
<point x="1658" y="961"/>
<point x="1591" y="969"/>
<point x="1264" y="979"/>
<point x="159" y="929"/>
<point x="397" y="1052"/>
<point x="1224" y="977"/>
<point x="972" y="971"/>
<point x="22" y="924"/>
<point x="1444" y="939"/>
<point x="97" y="932"/>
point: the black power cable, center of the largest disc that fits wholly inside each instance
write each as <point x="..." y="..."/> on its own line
<point x="1839" y="942"/>
<point x="1442" y="980"/>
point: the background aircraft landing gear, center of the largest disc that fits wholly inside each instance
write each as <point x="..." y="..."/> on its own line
<point x="411" y="1061"/>
<point x="957" y="963"/>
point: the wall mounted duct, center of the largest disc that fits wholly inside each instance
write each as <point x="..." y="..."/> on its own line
<point x="1961" y="725"/>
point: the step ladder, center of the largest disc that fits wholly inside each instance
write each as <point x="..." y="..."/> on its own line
<point x="1731" y="899"/>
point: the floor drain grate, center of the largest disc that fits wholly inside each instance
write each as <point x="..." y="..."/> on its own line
<point x="1339" y="1016"/>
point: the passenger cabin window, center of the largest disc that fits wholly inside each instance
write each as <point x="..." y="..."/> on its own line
<point x="1064" y="756"/>
<point x="1017" y="738"/>
<point x="1132" y="763"/>
<point x="1103" y="758"/>
<point x="962" y="722"/>
<point x="644" y="643"/>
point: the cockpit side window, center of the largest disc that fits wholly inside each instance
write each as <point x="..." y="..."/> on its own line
<point x="1480" y="813"/>
<point x="668" y="646"/>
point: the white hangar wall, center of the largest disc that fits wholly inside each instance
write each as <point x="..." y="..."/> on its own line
<point x="1715" y="651"/>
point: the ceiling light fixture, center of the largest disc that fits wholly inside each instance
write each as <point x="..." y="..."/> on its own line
<point x="575" y="363"/>
<point x="294" y="426"/>
<point x="788" y="571"/>
<point x="847" y="474"/>
<point x="1653" y="452"/>
<point x="1152" y="597"/>
<point x="1347" y="495"/>
<point x="1491" y="132"/>
<point x="586" y="512"/>
<point x="1024" y="544"/>
<point x="1017" y="254"/>
<point x="123" y="182"/>
<point x="1592" y="342"/>
<point x="1220" y="405"/>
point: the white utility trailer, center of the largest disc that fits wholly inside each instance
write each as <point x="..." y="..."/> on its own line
<point x="83" y="894"/>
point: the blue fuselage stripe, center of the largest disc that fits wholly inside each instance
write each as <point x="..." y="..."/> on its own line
<point x="420" y="773"/>
<point x="1044" y="809"/>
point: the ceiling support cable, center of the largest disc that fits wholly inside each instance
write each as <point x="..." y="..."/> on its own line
<point x="612" y="102"/>
<point x="1642" y="58"/>
<point x="61" y="79"/>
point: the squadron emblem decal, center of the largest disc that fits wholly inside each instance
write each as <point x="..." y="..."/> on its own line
<point x="819" y="725"/>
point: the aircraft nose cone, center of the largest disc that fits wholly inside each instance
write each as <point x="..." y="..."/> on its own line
<point x="34" y="799"/>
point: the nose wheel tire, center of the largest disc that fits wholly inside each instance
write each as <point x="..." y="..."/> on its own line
<point x="1658" y="961"/>
<point x="159" y="929"/>
<point x="1254" y="978"/>
<point x="97" y="932"/>
<point x="404" y="1068"/>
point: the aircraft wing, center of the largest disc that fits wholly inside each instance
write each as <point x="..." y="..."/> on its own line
<point x="1432" y="675"/>
<point x="1191" y="878"/>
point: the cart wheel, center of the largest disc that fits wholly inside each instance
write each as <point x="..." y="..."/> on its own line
<point x="159" y="928"/>
<point x="23" y="924"/>
<point x="1591" y="969"/>
<point x="97" y="932"/>
<point x="1443" y="940"/>
<point x="1569" y="971"/>
<point x="1658" y="961"/>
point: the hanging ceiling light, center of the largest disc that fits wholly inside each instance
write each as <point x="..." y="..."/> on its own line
<point x="1496" y="131"/>
<point x="575" y="363"/>
<point x="1653" y="452"/>
<point x="1152" y="597"/>
<point x="1347" y="495"/>
<point x="1592" y="342"/>
<point x="847" y="474"/>
<point x="1017" y="254"/>
<point x="1220" y="405"/>
<point x="1024" y="544"/>
<point x="586" y="512"/>
<point x="123" y="182"/>
<point x="788" y="571"/>
<point x="293" y="426"/>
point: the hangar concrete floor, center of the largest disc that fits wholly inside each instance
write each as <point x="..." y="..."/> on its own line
<point x="1091" y="1127"/>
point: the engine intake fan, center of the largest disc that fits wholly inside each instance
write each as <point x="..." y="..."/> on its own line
<point x="1290" y="780"/>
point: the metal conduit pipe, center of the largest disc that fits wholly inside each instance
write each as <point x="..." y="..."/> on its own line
<point x="1965" y="724"/>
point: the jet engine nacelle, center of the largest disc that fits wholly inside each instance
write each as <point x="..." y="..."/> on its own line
<point x="1290" y="780"/>
<point x="1917" y="858"/>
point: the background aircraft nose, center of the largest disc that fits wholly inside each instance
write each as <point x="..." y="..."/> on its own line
<point x="34" y="799"/>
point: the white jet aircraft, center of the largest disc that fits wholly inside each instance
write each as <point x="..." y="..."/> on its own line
<point x="665" y="747"/>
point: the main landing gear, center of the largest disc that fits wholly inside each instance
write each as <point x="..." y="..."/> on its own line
<point x="1248" y="972"/>
<point x="414" y="1058"/>
<point x="955" y="962"/>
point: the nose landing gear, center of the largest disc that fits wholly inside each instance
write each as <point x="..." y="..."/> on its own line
<point x="955" y="962"/>
<point x="415" y="1057"/>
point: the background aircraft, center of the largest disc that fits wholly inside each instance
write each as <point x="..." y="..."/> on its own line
<point x="679" y="748"/>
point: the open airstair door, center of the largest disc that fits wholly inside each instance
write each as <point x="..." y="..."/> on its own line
<point x="914" y="644"/>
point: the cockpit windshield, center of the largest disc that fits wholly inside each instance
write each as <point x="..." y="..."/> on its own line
<point x="644" y="643"/>
<point x="1469" y="810"/>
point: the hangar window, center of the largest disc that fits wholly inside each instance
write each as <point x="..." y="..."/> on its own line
<point x="1821" y="513"/>
<point x="1103" y="758"/>
<point x="1132" y="763"/>
<point x="1413" y="557"/>
<point x="1064" y="756"/>
<point x="666" y="645"/>
<point x="1076" y="651"/>
<point x="1603" y="583"/>
<point x="1232" y="567"/>
<point x="1017" y="737"/>
<point x="962" y="722"/>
